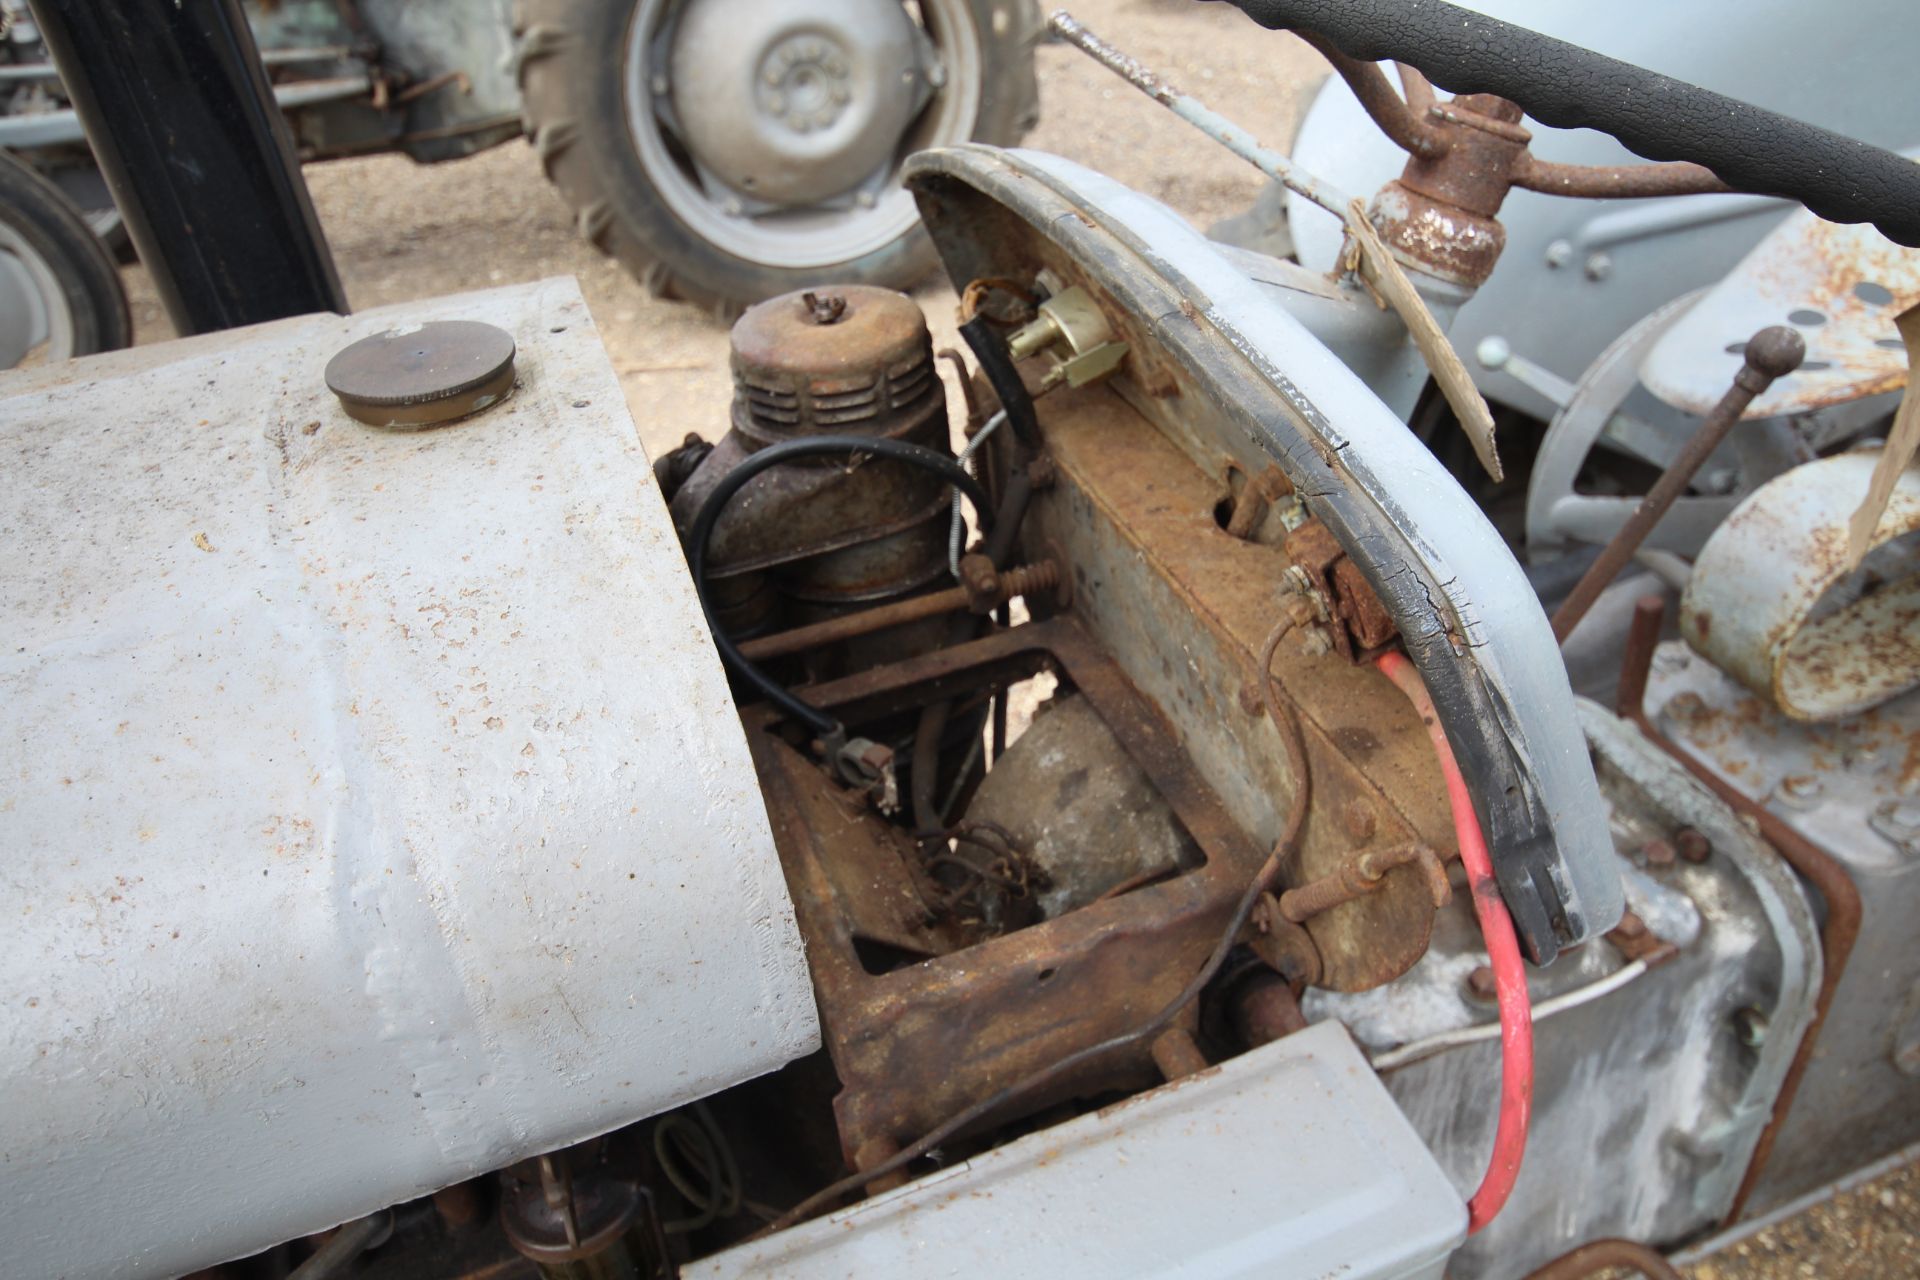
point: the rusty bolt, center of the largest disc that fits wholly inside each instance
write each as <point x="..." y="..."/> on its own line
<point x="1481" y="984"/>
<point x="1692" y="844"/>
<point x="1631" y="926"/>
<point x="1041" y="472"/>
<point x="1300" y="609"/>
<point x="1357" y="817"/>
<point x="1314" y="642"/>
<point x="982" y="582"/>
<point x="1658" y="852"/>
<point x="1250" y="699"/>
<point x="824" y="308"/>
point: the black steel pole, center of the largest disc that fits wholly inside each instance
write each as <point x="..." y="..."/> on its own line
<point x="181" y="118"/>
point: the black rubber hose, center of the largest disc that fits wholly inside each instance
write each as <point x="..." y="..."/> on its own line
<point x="1656" y="116"/>
<point x="772" y="456"/>
<point x="1004" y="377"/>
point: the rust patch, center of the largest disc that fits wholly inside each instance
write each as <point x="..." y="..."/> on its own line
<point x="1173" y="587"/>
<point x="918" y="1044"/>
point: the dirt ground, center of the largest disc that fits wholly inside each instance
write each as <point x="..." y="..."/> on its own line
<point x="401" y="231"/>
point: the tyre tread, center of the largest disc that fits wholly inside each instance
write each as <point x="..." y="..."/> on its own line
<point x="561" y="48"/>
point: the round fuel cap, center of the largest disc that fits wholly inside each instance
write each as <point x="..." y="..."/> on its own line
<point x="422" y="375"/>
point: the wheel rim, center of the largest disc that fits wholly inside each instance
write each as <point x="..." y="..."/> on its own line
<point x="36" y="320"/>
<point x="806" y="117"/>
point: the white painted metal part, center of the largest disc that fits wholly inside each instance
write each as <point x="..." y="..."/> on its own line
<point x="1287" y="1163"/>
<point x="1775" y="602"/>
<point x="1839" y="286"/>
<point x="374" y="809"/>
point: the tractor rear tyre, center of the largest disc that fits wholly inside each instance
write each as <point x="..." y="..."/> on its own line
<point x="729" y="150"/>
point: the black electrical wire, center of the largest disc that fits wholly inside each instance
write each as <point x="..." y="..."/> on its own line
<point x="913" y="455"/>
<point x="990" y="349"/>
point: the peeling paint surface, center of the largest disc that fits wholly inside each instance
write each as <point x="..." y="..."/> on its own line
<point x="1839" y="286"/>
<point x="374" y="807"/>
<point x="1775" y="601"/>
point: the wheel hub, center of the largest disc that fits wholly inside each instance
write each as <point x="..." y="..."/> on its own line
<point x="804" y="83"/>
<point x="794" y="104"/>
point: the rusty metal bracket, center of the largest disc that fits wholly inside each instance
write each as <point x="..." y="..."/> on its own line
<point x="1360" y="624"/>
<point x="916" y="1044"/>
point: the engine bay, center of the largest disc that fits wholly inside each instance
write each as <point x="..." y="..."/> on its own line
<point x="1109" y="797"/>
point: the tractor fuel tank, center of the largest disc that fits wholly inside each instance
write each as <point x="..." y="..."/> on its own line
<point x="375" y="810"/>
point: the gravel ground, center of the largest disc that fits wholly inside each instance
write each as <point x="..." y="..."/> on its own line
<point x="1869" y="1233"/>
<point x="401" y="231"/>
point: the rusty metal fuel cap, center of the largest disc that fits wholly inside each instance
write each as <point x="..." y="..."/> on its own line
<point x="422" y="375"/>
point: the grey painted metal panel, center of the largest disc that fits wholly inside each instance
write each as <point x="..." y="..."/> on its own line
<point x="1848" y="787"/>
<point x="1647" y="1105"/>
<point x="1287" y="1163"/>
<point x="374" y="809"/>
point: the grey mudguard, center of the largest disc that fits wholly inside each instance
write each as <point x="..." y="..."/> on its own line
<point x="1469" y="619"/>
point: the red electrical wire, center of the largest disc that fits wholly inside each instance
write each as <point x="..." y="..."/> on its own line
<point x="1503" y="950"/>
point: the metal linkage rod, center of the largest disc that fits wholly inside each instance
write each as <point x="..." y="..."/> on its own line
<point x="1008" y="584"/>
<point x="1772" y="353"/>
<point x="1200" y="116"/>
